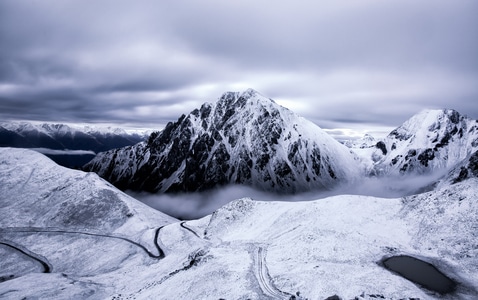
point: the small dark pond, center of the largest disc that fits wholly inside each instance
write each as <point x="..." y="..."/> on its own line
<point x="420" y="272"/>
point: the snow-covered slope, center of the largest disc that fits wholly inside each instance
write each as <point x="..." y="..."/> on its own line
<point x="65" y="222"/>
<point x="433" y="141"/>
<point x="61" y="136"/>
<point x="466" y="169"/>
<point x="243" y="138"/>
<point x="50" y="195"/>
<point x="66" y="234"/>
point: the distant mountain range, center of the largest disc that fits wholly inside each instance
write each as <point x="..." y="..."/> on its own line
<point x="246" y="138"/>
<point x="68" y="145"/>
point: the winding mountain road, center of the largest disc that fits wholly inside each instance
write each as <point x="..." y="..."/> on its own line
<point x="47" y="268"/>
<point x="160" y="254"/>
<point x="189" y="229"/>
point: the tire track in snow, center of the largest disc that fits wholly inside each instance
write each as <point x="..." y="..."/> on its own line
<point x="263" y="277"/>
<point x="28" y="179"/>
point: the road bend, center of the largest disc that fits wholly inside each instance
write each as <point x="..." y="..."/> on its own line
<point x="47" y="268"/>
<point x="160" y="253"/>
<point x="183" y="225"/>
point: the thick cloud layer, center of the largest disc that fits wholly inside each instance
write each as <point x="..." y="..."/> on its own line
<point x="347" y="65"/>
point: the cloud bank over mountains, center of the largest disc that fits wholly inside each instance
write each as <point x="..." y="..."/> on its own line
<point x="366" y="63"/>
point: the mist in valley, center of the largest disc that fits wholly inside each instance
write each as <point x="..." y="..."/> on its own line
<point x="188" y="206"/>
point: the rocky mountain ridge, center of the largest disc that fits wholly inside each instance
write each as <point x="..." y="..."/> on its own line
<point x="430" y="142"/>
<point x="243" y="138"/>
<point x="62" y="136"/>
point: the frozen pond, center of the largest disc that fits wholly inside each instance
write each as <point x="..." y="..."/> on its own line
<point x="420" y="272"/>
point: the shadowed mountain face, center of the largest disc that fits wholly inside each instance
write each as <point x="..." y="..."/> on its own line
<point x="243" y="138"/>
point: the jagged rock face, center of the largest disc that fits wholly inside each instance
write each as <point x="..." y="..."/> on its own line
<point x="434" y="140"/>
<point x="467" y="169"/>
<point x="244" y="138"/>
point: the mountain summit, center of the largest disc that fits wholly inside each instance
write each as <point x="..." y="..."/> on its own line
<point x="243" y="138"/>
<point x="430" y="141"/>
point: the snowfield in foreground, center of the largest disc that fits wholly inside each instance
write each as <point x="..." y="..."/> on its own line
<point x="66" y="234"/>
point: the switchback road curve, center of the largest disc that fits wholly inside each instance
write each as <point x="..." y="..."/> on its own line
<point x="160" y="253"/>
<point x="47" y="268"/>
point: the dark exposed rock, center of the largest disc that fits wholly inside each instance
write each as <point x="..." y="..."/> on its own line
<point x="404" y="168"/>
<point x="381" y="145"/>
<point x="426" y="156"/>
<point x="400" y="134"/>
<point x="316" y="161"/>
<point x="331" y="172"/>
<point x="469" y="170"/>
<point x="396" y="159"/>
<point x="454" y="116"/>
<point x="411" y="153"/>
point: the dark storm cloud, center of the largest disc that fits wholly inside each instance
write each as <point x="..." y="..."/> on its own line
<point x="340" y="64"/>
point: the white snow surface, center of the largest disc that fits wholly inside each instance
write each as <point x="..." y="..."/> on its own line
<point x="245" y="250"/>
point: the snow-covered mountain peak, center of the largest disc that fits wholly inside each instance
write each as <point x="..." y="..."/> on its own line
<point x="242" y="138"/>
<point x="56" y="128"/>
<point x="421" y="124"/>
<point x="17" y="126"/>
<point x="366" y="141"/>
<point x="430" y="141"/>
<point x="249" y="99"/>
<point x="246" y="94"/>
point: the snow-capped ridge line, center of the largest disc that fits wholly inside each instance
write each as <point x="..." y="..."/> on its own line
<point x="432" y="141"/>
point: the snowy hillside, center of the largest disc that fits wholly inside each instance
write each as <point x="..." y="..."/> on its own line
<point x="54" y="196"/>
<point x="432" y="141"/>
<point x="66" y="234"/>
<point x="243" y="138"/>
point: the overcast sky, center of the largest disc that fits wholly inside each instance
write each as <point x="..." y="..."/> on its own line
<point x="359" y="65"/>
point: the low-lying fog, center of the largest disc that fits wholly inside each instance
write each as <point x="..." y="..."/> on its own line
<point x="188" y="206"/>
